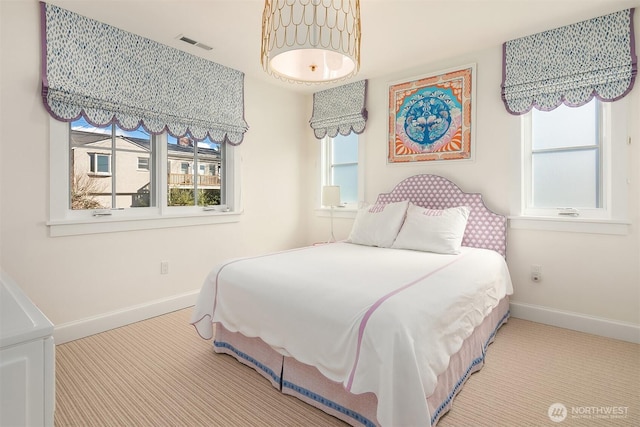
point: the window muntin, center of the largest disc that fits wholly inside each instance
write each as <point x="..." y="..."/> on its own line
<point x="340" y="164"/>
<point x="564" y="161"/>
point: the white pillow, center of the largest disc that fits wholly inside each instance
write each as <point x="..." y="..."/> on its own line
<point x="433" y="230"/>
<point x="378" y="225"/>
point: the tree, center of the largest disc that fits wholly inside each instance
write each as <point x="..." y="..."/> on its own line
<point x="84" y="191"/>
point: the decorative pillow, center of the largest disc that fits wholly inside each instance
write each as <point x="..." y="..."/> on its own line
<point x="433" y="230"/>
<point x="378" y="225"/>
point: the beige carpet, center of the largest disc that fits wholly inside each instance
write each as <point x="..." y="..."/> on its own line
<point x="160" y="373"/>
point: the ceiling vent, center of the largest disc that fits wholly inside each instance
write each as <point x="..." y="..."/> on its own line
<point x="193" y="42"/>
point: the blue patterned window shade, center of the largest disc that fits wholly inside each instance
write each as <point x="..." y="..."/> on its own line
<point x="340" y="110"/>
<point x="106" y="74"/>
<point x="571" y="64"/>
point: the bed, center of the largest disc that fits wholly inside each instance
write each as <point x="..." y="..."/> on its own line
<point x="383" y="328"/>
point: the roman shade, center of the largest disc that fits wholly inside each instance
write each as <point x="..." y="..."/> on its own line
<point x="340" y="110"/>
<point x="571" y="64"/>
<point x="108" y="75"/>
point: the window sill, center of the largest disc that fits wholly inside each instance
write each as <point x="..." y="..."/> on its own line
<point x="115" y="224"/>
<point x="575" y="225"/>
<point x="337" y="212"/>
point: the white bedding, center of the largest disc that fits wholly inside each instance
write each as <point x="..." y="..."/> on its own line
<point x="374" y="319"/>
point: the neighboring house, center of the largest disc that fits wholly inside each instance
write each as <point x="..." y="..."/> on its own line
<point x="94" y="171"/>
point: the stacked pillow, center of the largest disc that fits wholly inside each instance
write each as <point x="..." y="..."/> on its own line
<point x="403" y="225"/>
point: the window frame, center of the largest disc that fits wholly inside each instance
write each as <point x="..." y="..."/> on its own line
<point x="144" y="160"/>
<point x="64" y="221"/>
<point x="612" y="216"/>
<point x="603" y="146"/>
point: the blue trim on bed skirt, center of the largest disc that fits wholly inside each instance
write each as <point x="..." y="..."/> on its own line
<point x="328" y="403"/>
<point x="475" y="362"/>
<point x="250" y="359"/>
<point x="350" y="413"/>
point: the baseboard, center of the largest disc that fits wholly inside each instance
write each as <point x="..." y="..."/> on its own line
<point x="70" y="331"/>
<point x="577" y="322"/>
<point x="564" y="319"/>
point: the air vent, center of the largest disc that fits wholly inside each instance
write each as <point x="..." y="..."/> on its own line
<point x="193" y="42"/>
<point x="188" y="40"/>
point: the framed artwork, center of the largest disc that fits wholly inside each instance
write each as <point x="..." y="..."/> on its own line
<point x="431" y="117"/>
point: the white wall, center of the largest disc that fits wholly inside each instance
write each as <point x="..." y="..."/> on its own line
<point x="76" y="278"/>
<point x="588" y="275"/>
<point x="73" y="279"/>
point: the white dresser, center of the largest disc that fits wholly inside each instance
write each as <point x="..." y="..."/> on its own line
<point x="27" y="360"/>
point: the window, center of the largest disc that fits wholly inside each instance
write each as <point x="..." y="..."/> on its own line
<point x="565" y="159"/>
<point x="107" y="175"/>
<point x="341" y="166"/>
<point x="100" y="164"/>
<point x="143" y="163"/>
<point x="573" y="163"/>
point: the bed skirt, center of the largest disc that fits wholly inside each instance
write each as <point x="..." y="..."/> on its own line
<point x="309" y="385"/>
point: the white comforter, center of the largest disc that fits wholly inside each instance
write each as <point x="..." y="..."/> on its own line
<point x="377" y="320"/>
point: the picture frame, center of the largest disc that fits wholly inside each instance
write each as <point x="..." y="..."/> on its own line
<point x="431" y="117"/>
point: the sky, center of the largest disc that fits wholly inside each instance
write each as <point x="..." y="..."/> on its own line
<point x="83" y="125"/>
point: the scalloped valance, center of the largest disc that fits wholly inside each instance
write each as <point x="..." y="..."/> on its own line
<point x="109" y="75"/>
<point x="340" y="109"/>
<point x="571" y="64"/>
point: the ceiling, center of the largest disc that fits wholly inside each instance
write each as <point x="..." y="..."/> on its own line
<point x="396" y="34"/>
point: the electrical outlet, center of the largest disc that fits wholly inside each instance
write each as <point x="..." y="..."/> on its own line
<point x="536" y="273"/>
<point x="164" y="267"/>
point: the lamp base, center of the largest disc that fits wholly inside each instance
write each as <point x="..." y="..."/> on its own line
<point x="333" y="237"/>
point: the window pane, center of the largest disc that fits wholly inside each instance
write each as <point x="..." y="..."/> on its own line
<point x="566" y="179"/>
<point x="209" y="182"/>
<point x="88" y="188"/>
<point x="133" y="185"/>
<point x="346" y="176"/>
<point x="103" y="163"/>
<point x="345" y="148"/>
<point x="193" y="172"/>
<point x="565" y="127"/>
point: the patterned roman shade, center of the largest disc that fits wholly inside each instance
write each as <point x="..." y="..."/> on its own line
<point x="340" y="110"/>
<point x="106" y="74"/>
<point x="570" y="64"/>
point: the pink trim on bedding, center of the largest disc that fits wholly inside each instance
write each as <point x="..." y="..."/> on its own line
<point x="196" y="328"/>
<point x="378" y="303"/>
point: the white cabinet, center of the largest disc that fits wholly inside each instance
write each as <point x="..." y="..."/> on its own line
<point x="27" y="360"/>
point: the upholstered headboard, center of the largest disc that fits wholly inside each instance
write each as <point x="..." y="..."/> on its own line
<point x="485" y="228"/>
